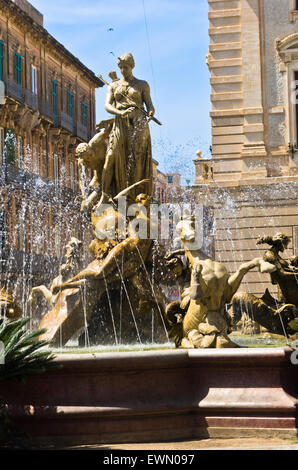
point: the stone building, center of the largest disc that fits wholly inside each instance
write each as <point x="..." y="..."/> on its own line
<point x="165" y="185"/>
<point x="251" y="180"/>
<point x="47" y="107"/>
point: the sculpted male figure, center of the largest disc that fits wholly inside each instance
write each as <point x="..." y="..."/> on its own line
<point x="203" y="321"/>
<point x="92" y="155"/>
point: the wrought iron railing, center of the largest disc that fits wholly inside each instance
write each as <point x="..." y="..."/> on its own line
<point x="14" y="89"/>
<point x="31" y="99"/>
<point x="67" y="122"/>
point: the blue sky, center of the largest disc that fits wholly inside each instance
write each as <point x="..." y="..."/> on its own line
<point x="169" y="43"/>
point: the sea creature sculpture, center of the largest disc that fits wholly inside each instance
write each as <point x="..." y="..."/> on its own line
<point x="200" y="319"/>
<point x="278" y="316"/>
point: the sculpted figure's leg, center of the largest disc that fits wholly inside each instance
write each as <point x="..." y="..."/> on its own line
<point x="106" y="179"/>
<point x="107" y="172"/>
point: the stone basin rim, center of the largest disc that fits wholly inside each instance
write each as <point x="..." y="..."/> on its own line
<point x="200" y="355"/>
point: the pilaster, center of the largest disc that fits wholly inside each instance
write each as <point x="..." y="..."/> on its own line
<point x="234" y="60"/>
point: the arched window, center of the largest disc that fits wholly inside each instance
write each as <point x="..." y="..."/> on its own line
<point x="288" y="52"/>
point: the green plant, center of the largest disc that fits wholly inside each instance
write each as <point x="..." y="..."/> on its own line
<point x="22" y="354"/>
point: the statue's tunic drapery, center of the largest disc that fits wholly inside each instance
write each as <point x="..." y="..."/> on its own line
<point x="129" y="145"/>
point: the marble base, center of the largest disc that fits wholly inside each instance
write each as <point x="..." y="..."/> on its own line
<point x="159" y="396"/>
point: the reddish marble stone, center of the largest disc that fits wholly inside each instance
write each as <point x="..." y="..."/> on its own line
<point x="140" y="396"/>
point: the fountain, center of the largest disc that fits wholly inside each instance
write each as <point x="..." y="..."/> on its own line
<point x="207" y="385"/>
<point x="277" y="315"/>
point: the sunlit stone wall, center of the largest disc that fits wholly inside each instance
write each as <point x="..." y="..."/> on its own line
<point x="253" y="177"/>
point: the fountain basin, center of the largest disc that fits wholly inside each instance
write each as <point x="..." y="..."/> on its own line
<point x="159" y="396"/>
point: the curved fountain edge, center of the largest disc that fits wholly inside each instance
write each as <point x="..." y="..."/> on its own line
<point x="159" y="395"/>
<point x="280" y="352"/>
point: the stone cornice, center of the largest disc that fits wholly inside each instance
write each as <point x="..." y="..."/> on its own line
<point x="286" y="42"/>
<point x="273" y="188"/>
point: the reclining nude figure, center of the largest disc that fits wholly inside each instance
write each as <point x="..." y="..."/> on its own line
<point x="200" y="319"/>
<point x="115" y="260"/>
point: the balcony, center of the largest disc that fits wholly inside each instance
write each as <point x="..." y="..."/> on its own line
<point x="82" y="131"/>
<point x="31" y="99"/>
<point x="2" y="92"/>
<point x="46" y="110"/>
<point x="67" y="122"/>
<point x="14" y="89"/>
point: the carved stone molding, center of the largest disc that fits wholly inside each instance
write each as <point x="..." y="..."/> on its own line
<point x="287" y="47"/>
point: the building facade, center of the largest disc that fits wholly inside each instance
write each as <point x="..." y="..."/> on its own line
<point x="47" y="107"/>
<point x="167" y="186"/>
<point x="251" y="180"/>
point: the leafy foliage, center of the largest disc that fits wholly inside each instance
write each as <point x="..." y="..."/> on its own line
<point x="24" y="353"/>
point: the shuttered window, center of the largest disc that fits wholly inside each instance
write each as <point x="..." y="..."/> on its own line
<point x="33" y="80"/>
<point x="85" y="114"/>
<point x="1" y="60"/>
<point x="55" y="100"/>
<point x="70" y="104"/>
<point x="18" y="68"/>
